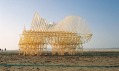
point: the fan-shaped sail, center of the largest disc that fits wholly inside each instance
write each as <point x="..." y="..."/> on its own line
<point x="72" y="24"/>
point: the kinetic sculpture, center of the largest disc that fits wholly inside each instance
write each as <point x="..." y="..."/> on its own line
<point x="66" y="36"/>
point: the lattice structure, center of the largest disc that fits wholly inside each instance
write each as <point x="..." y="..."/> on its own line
<point x="66" y="36"/>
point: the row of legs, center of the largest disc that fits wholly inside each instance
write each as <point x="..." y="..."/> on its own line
<point x="56" y="49"/>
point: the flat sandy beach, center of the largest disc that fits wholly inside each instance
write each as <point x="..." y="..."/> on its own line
<point x="89" y="61"/>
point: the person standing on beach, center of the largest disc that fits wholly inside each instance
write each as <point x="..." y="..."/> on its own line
<point x="5" y="49"/>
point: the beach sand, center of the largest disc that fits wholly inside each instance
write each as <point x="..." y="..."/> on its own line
<point x="86" y="62"/>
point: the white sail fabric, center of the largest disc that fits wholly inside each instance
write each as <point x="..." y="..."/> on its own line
<point x="72" y="24"/>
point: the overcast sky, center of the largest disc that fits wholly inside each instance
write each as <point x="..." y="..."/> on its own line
<point x="102" y="17"/>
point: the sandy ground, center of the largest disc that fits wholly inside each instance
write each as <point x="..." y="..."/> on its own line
<point x="66" y="63"/>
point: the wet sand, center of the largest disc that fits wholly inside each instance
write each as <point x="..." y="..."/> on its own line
<point x="89" y="61"/>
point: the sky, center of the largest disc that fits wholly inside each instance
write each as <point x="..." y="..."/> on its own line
<point x="102" y="17"/>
